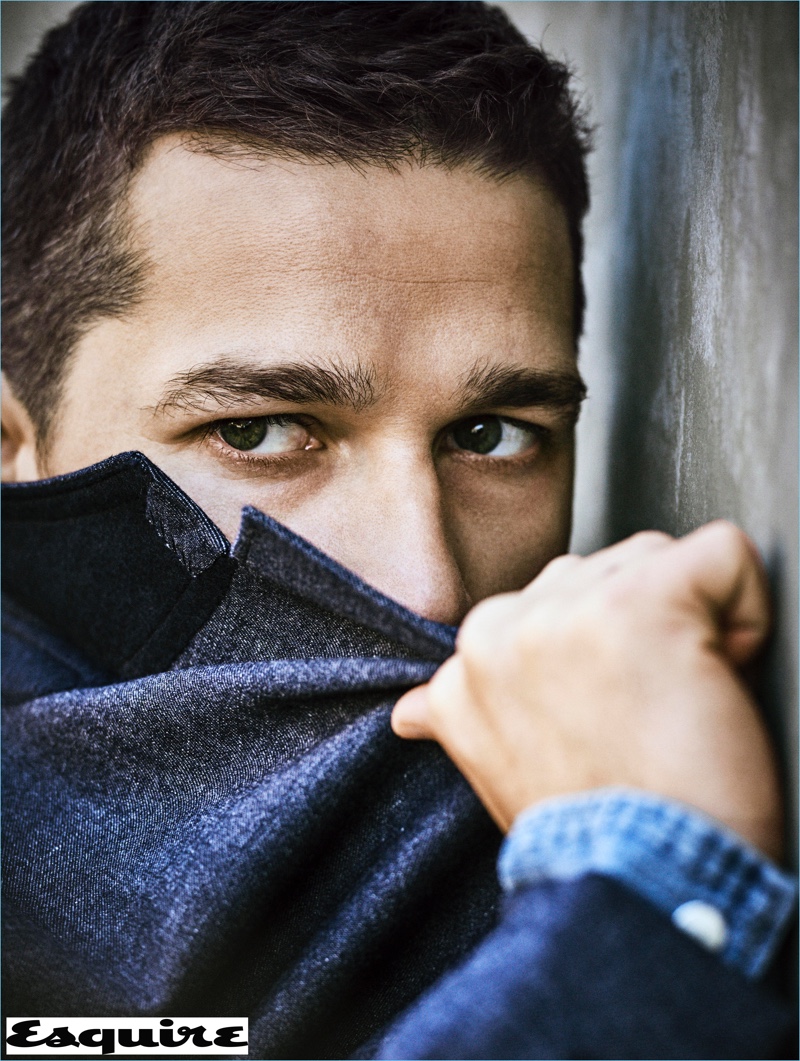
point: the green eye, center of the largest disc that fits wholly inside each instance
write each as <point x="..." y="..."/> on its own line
<point x="493" y="436"/>
<point x="267" y="436"/>
<point x="244" y="434"/>
<point x="480" y="434"/>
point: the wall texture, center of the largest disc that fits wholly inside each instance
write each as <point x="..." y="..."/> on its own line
<point x="23" y="23"/>
<point x="691" y="341"/>
<point x="705" y="294"/>
<point x="691" y="348"/>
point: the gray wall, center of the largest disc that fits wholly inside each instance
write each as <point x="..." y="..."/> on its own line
<point x="691" y="346"/>
<point x="23" y="23"/>
<point x="705" y="422"/>
<point x="691" y="342"/>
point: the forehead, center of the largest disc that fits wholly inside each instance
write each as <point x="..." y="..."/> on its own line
<point x="273" y="241"/>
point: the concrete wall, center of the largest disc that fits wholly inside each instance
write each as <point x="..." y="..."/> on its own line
<point x="706" y="297"/>
<point x="691" y="349"/>
<point x="691" y="342"/>
<point x="23" y="23"/>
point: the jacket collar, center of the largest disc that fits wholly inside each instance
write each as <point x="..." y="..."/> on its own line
<point x="119" y="563"/>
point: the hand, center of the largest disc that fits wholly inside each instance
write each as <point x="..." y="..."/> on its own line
<point x="615" y="669"/>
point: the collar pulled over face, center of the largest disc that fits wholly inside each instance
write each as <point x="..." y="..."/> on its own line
<point x="206" y="810"/>
<point x="120" y="564"/>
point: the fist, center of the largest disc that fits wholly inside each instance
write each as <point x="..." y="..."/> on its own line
<point x="621" y="668"/>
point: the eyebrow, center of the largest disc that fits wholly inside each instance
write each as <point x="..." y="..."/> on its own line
<point x="227" y="382"/>
<point x="493" y="386"/>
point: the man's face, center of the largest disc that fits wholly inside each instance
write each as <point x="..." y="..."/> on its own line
<point x="382" y="361"/>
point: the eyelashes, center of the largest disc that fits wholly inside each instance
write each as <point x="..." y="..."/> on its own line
<point x="273" y="440"/>
<point x="493" y="436"/>
<point x="267" y="435"/>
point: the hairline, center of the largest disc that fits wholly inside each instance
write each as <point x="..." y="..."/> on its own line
<point x="227" y="145"/>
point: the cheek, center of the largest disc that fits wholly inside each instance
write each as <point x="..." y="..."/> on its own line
<point x="505" y="528"/>
<point x="222" y="493"/>
<point x="220" y="500"/>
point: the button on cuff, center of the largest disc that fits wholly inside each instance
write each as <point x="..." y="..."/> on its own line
<point x="666" y="852"/>
<point x="703" y="922"/>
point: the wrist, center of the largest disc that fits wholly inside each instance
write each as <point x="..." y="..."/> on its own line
<point x="668" y="853"/>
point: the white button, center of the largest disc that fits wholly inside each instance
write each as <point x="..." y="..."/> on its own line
<point x="703" y="922"/>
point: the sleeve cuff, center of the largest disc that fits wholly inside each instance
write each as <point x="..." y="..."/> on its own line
<point x="713" y="885"/>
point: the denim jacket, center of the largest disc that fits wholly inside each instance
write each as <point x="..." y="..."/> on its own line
<point x="206" y="812"/>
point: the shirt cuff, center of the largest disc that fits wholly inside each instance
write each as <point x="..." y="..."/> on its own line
<point x="713" y="885"/>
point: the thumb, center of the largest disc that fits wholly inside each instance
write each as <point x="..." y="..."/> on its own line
<point x="410" y="715"/>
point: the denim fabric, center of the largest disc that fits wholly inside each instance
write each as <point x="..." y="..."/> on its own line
<point x="38" y="663"/>
<point x="665" y="853"/>
<point x="240" y="833"/>
<point x="116" y="561"/>
<point x="206" y="811"/>
<point x="583" y="969"/>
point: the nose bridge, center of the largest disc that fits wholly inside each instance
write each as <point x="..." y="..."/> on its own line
<point x="405" y="549"/>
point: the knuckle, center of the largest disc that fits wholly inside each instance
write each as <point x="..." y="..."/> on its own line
<point x="480" y="630"/>
<point x="560" y="564"/>
<point x="555" y="573"/>
<point x="725" y="540"/>
<point x="726" y="533"/>
<point x="651" y="538"/>
<point x="500" y="635"/>
<point x="724" y="528"/>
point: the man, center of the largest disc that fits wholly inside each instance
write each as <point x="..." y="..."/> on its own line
<point x="323" y="260"/>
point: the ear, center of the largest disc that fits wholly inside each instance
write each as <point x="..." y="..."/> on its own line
<point x="20" y="462"/>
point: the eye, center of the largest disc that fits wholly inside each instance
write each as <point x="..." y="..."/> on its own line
<point x="493" y="436"/>
<point x="266" y="434"/>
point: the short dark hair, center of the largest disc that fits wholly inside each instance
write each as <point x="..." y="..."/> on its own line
<point x="449" y="83"/>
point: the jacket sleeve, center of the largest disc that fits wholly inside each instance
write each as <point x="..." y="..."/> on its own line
<point x="585" y="968"/>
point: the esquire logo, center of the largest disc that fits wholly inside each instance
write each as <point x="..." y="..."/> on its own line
<point x="146" y="1036"/>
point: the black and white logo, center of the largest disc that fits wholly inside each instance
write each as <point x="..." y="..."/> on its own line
<point x="104" y="1036"/>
